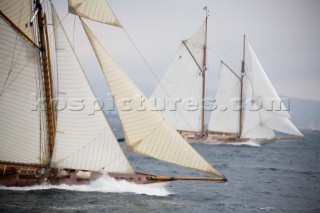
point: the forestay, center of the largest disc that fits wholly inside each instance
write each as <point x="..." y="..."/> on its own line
<point x="84" y="139"/>
<point x="145" y="130"/>
<point x="97" y="10"/>
<point x="22" y="123"/>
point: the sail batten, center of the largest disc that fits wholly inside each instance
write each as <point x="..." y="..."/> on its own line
<point x="148" y="140"/>
<point x="83" y="140"/>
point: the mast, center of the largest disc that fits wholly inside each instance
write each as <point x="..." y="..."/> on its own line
<point x="204" y="76"/>
<point x="45" y="62"/>
<point x="241" y="86"/>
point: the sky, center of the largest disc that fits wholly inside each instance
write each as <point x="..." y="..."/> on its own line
<point x="285" y="35"/>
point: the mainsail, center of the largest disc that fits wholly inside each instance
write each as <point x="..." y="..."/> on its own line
<point x="23" y="126"/>
<point x="225" y="118"/>
<point x="181" y="86"/>
<point x="84" y="139"/>
<point x="145" y="131"/>
<point x="97" y="10"/>
<point x="273" y="114"/>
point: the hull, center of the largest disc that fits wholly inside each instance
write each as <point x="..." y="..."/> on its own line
<point x="192" y="137"/>
<point x="11" y="175"/>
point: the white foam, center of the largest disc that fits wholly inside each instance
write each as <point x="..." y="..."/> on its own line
<point x="104" y="184"/>
<point x="248" y="143"/>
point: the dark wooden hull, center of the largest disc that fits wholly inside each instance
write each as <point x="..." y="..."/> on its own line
<point x="21" y="176"/>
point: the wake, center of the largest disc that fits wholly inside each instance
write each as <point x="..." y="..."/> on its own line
<point x="248" y="143"/>
<point x="104" y="184"/>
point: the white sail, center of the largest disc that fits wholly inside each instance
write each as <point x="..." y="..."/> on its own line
<point x="145" y="130"/>
<point x="96" y="10"/>
<point x="83" y="140"/>
<point x="227" y="96"/>
<point x="270" y="116"/>
<point x="22" y="125"/>
<point x="252" y="125"/>
<point x="181" y="86"/>
<point x="20" y="13"/>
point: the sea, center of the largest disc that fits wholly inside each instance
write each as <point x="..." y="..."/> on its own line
<point x="282" y="176"/>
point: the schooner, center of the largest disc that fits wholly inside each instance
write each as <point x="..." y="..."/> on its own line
<point x="44" y="145"/>
<point x="252" y="109"/>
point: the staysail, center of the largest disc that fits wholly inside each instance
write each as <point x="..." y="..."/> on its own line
<point x="20" y="13"/>
<point x="145" y="130"/>
<point x="23" y="127"/>
<point x="252" y="125"/>
<point x="84" y="139"/>
<point x="225" y="118"/>
<point x="273" y="114"/>
<point x="181" y="86"/>
<point x="97" y="10"/>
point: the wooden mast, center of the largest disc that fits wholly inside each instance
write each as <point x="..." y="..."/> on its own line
<point x="204" y="77"/>
<point x="241" y="87"/>
<point x="46" y="70"/>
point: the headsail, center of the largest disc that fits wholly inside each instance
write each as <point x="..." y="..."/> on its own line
<point x="83" y="140"/>
<point x="20" y="13"/>
<point x="145" y="131"/>
<point x="97" y="10"/>
<point x="252" y="125"/>
<point x="264" y="94"/>
<point x="23" y="127"/>
<point x="227" y="96"/>
<point x="181" y="85"/>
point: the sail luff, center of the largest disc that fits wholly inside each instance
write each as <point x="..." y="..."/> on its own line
<point x="145" y="131"/>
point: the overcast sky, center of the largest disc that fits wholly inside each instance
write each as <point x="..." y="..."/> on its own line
<point x="285" y="35"/>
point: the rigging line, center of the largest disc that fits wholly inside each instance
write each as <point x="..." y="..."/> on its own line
<point x="234" y="29"/>
<point x="13" y="65"/>
<point x="223" y="53"/>
<point x="74" y="28"/>
<point x="224" y="40"/>
<point x="151" y="70"/>
<point x="144" y="60"/>
<point x="10" y="70"/>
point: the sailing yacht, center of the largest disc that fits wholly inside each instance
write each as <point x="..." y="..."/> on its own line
<point x="183" y="85"/>
<point x="232" y="120"/>
<point x="261" y="113"/>
<point x="45" y="145"/>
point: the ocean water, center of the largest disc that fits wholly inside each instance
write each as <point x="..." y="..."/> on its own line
<point x="283" y="176"/>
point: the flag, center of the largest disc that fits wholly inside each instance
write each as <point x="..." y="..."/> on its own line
<point x="30" y="24"/>
<point x="205" y="8"/>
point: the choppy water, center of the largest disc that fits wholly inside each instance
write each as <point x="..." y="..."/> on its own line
<point x="277" y="177"/>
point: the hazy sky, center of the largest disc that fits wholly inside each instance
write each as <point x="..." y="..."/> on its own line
<point x="284" y="33"/>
